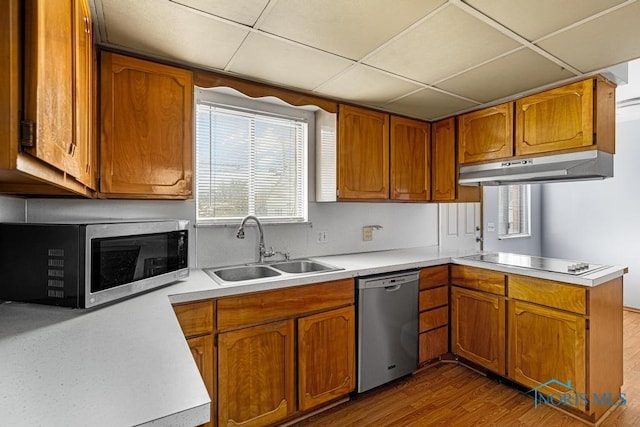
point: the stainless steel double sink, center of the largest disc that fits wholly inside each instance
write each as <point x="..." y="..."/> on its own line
<point x="235" y="274"/>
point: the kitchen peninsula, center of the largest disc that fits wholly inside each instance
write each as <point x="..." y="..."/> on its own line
<point x="128" y="363"/>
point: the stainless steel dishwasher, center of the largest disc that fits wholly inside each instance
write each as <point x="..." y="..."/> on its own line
<point x="387" y="328"/>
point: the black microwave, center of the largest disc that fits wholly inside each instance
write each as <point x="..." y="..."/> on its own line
<point x="84" y="265"/>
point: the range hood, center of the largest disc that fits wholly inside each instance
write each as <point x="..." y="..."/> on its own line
<point x="579" y="166"/>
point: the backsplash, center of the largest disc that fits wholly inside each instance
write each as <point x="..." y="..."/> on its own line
<point x="404" y="225"/>
<point x="12" y="209"/>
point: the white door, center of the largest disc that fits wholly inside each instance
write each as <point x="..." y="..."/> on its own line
<point x="460" y="226"/>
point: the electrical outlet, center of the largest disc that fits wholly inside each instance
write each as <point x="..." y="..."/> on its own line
<point x="367" y="234"/>
<point x="321" y="237"/>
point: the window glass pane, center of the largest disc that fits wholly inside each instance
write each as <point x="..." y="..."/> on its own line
<point x="514" y="211"/>
<point x="249" y="163"/>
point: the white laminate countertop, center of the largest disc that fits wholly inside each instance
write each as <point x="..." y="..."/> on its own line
<point x="128" y="363"/>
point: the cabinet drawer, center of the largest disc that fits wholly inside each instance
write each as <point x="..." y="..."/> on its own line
<point x="433" y="318"/>
<point x="478" y="279"/>
<point x="433" y="344"/>
<point x="262" y="307"/>
<point x="549" y="293"/>
<point x="196" y="318"/>
<point x="435" y="297"/>
<point x="432" y="277"/>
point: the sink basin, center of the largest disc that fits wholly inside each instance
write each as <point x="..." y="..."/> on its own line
<point x="238" y="274"/>
<point x="302" y="266"/>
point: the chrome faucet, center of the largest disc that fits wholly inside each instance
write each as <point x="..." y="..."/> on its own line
<point x="262" y="250"/>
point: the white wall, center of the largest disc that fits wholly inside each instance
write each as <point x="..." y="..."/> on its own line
<point x="521" y="245"/>
<point x="405" y="225"/>
<point x="598" y="221"/>
<point x="12" y="209"/>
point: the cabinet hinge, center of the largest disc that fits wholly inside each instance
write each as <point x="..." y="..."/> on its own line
<point x="337" y="192"/>
<point x="27" y="134"/>
<point x="587" y="324"/>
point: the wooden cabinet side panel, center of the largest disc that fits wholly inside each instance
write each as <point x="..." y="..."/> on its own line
<point x="11" y="76"/>
<point x="605" y="373"/>
<point x="557" y="119"/>
<point x="547" y="348"/>
<point x="204" y="356"/>
<point x="486" y="134"/>
<point x="478" y="328"/>
<point x="410" y="160"/>
<point x="48" y="94"/>
<point x="256" y="371"/>
<point x="326" y="357"/>
<point x="443" y="148"/>
<point x="147" y="119"/>
<point x="605" y="115"/>
<point x="259" y="307"/>
<point x="363" y="153"/>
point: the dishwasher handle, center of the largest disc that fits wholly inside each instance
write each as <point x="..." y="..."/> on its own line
<point x="392" y="288"/>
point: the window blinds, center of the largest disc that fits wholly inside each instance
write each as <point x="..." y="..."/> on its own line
<point x="249" y="163"/>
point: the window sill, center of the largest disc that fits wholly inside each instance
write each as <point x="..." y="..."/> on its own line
<point x="514" y="236"/>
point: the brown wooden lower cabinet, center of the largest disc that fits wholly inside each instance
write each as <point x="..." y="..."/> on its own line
<point x="478" y="328"/>
<point x="433" y="344"/>
<point x="326" y="356"/>
<point x="546" y="344"/>
<point x="204" y="356"/>
<point x="256" y="374"/>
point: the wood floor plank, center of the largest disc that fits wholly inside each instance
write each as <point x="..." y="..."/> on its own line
<point x="449" y="394"/>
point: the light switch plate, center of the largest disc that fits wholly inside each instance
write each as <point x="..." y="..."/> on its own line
<point x="321" y="237"/>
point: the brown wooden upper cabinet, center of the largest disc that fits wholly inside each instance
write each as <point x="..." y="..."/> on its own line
<point x="576" y="116"/>
<point x="146" y="129"/>
<point x="444" y="169"/>
<point x="486" y="134"/>
<point x="410" y="159"/>
<point x="54" y="147"/>
<point x="363" y="153"/>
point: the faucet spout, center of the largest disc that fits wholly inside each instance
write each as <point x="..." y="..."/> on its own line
<point x="240" y="235"/>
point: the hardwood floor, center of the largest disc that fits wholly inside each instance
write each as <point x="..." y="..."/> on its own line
<point x="452" y="395"/>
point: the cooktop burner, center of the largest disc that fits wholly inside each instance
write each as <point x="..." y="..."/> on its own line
<point x="538" y="263"/>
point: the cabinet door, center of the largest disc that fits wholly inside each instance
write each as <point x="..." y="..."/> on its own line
<point x="444" y="179"/>
<point x="84" y="144"/>
<point x="410" y="159"/>
<point x="203" y="354"/>
<point x="486" y="134"/>
<point x="363" y="154"/>
<point x="48" y="94"/>
<point x="546" y="346"/>
<point x="146" y="140"/>
<point x="326" y="355"/>
<point x="557" y="119"/>
<point x="256" y="375"/>
<point x="478" y="328"/>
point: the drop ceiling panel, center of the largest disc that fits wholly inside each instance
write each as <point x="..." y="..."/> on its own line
<point x="428" y="104"/>
<point x="242" y="11"/>
<point x="534" y="19"/>
<point x="447" y="43"/>
<point x="346" y="28"/>
<point x="511" y="74"/>
<point x="284" y="63"/>
<point x="605" y="41"/>
<point x="364" y="84"/>
<point x="168" y="30"/>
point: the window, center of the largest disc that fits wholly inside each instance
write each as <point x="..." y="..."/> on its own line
<point x="249" y="163"/>
<point x="514" y="211"/>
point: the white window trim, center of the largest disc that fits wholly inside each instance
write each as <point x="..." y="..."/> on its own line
<point x="276" y="108"/>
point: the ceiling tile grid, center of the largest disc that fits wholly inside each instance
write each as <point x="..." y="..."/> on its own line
<point x="422" y="58"/>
